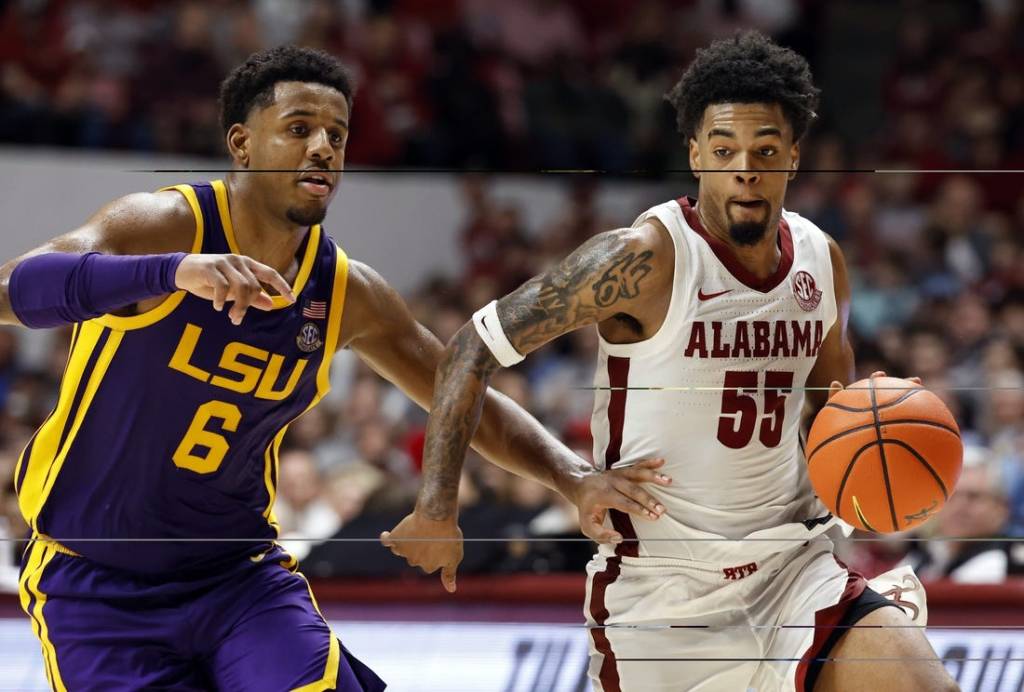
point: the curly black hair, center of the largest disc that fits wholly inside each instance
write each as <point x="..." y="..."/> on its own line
<point x="252" y="83"/>
<point x="747" y="68"/>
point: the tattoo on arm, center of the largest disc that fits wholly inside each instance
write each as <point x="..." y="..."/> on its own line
<point x="458" y="401"/>
<point x="622" y="279"/>
<point x="579" y="291"/>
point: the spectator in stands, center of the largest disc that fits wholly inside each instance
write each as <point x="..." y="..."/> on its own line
<point x="304" y="514"/>
<point x="978" y="509"/>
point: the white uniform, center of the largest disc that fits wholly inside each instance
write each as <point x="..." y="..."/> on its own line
<point x="738" y="474"/>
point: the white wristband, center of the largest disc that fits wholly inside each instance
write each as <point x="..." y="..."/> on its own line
<point x="489" y="328"/>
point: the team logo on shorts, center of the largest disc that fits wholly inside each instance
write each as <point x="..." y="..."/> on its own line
<point x="309" y="338"/>
<point x="807" y="294"/>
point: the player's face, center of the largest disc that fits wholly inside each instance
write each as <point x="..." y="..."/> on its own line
<point x="303" y="134"/>
<point x="736" y="146"/>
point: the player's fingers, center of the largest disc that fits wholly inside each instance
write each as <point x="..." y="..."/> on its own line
<point x="391" y="544"/>
<point x="834" y="388"/>
<point x="448" y="577"/>
<point x="235" y="290"/>
<point x="271" y="278"/>
<point x="634" y="492"/>
<point x="597" y="532"/>
<point x="644" y="472"/>
<point x="624" y="503"/>
<point x="244" y="289"/>
<point x="915" y="380"/>
<point x="220" y="285"/>
<point x="878" y="373"/>
<point x="259" y="298"/>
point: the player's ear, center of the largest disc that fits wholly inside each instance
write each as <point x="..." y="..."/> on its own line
<point x="238" y="144"/>
<point x="794" y="156"/>
<point x="694" y="157"/>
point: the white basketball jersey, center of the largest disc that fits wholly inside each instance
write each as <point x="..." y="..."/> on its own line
<point x="718" y="393"/>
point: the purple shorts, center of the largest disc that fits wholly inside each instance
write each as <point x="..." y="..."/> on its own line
<point x="253" y="626"/>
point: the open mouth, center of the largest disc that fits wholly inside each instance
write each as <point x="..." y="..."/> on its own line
<point x="318" y="184"/>
<point x="749" y="204"/>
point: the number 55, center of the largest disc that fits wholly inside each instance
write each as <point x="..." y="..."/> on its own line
<point x="739" y="408"/>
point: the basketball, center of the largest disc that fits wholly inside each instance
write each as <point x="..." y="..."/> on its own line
<point x="884" y="454"/>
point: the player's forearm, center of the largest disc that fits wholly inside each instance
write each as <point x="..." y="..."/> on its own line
<point x="55" y="288"/>
<point x="460" y="387"/>
<point x="511" y="438"/>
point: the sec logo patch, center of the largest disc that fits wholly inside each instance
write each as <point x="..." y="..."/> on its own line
<point x="807" y="294"/>
<point x="309" y="338"/>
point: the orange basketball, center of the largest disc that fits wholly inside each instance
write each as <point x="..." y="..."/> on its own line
<point x="884" y="454"/>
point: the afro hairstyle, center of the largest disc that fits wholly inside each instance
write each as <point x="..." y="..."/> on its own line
<point x="747" y="68"/>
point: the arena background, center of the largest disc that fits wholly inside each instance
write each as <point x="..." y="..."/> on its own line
<point x="93" y="91"/>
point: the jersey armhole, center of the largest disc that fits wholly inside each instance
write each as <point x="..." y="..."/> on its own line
<point x="819" y="237"/>
<point x="168" y="305"/>
<point x="653" y="342"/>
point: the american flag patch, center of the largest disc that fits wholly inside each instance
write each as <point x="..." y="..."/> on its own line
<point x="315" y="309"/>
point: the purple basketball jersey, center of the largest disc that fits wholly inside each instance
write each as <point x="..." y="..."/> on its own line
<point x="168" y="423"/>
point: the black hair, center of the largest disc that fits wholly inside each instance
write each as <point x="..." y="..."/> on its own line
<point x="252" y="83"/>
<point x="747" y="68"/>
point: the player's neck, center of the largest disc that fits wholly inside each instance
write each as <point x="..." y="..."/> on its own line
<point x="258" y="233"/>
<point x="761" y="259"/>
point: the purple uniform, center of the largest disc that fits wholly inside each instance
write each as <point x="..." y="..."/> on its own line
<point x="167" y="427"/>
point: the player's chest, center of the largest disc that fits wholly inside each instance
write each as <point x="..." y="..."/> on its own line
<point x="728" y="321"/>
<point x="268" y="357"/>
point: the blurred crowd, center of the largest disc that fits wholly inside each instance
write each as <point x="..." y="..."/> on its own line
<point x="937" y="259"/>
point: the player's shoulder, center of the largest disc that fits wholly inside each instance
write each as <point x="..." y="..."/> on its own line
<point x="147" y="222"/>
<point x="367" y="292"/>
<point x="803" y="226"/>
<point x="800" y="223"/>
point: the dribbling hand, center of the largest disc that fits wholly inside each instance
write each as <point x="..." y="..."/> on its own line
<point x="837" y="386"/>
<point x="231" y="278"/>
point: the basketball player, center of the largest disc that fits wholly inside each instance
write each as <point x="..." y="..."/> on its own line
<point x="150" y="487"/>
<point x="731" y="294"/>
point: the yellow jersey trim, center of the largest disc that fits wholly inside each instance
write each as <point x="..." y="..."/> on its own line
<point x="323" y="378"/>
<point x="40" y="557"/>
<point x="63" y="382"/>
<point x="40" y="478"/>
<point x="43" y="538"/>
<point x="308" y="259"/>
<point x="330" y="678"/>
<point x="151" y="317"/>
<point x="44" y="449"/>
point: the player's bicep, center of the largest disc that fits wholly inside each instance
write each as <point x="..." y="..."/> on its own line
<point x="606" y="276"/>
<point x="381" y="329"/>
<point x="136" y="224"/>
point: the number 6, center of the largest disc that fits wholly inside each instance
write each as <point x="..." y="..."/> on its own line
<point x="198" y="436"/>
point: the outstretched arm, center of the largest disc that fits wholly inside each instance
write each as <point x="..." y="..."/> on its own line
<point x="379" y="327"/>
<point x="615" y="273"/>
<point x="611" y="274"/>
<point x="131" y="252"/>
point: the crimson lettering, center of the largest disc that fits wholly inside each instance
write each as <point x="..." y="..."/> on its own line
<point x="762" y="346"/>
<point x="698" y="342"/>
<point x="742" y="347"/>
<point x="782" y="339"/>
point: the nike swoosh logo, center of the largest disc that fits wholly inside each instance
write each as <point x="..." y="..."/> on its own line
<point x="483" y="323"/>
<point x="701" y="295"/>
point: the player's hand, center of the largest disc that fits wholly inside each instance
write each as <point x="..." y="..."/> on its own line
<point x="618" y="489"/>
<point x="837" y="386"/>
<point x="435" y="545"/>
<point x="231" y="278"/>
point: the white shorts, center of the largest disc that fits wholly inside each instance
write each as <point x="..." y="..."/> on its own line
<point x="742" y="627"/>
